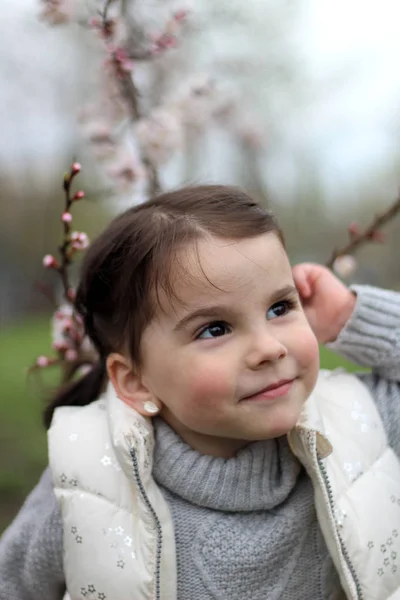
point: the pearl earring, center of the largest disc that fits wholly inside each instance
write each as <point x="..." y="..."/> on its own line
<point x="151" y="408"/>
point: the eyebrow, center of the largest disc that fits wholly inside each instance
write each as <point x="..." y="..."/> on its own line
<point x="217" y="309"/>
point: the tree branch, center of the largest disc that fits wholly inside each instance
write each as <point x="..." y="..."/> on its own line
<point x="369" y="234"/>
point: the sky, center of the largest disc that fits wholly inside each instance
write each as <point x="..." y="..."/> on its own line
<point x="356" y="44"/>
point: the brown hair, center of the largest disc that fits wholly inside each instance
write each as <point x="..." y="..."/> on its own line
<point x="134" y="256"/>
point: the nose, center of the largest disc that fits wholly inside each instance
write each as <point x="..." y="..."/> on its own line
<point x="264" y="347"/>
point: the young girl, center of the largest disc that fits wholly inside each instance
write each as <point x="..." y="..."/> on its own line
<point x="217" y="463"/>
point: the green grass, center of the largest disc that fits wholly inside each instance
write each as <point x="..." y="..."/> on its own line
<point x="23" y="453"/>
<point x="330" y="360"/>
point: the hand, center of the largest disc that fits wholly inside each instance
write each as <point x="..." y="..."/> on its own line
<point x="327" y="302"/>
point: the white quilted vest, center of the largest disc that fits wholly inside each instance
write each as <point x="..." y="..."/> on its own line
<point x="118" y="532"/>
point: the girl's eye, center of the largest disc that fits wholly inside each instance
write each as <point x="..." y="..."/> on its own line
<point x="280" y="309"/>
<point x="213" y="330"/>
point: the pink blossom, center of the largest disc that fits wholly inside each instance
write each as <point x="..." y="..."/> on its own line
<point x="65" y="330"/>
<point x="123" y="60"/>
<point x="94" y="22"/>
<point x="67" y="324"/>
<point x="160" y="135"/>
<point x="42" y="361"/>
<point x="197" y="101"/>
<point x="58" y="12"/>
<point x="76" y="168"/>
<point x="50" y="262"/>
<point x="101" y="136"/>
<point x="68" y="332"/>
<point x="168" y="38"/>
<point x="180" y="15"/>
<point x="71" y="355"/>
<point x="163" y="42"/>
<point x="120" y="62"/>
<point x="66" y="217"/>
<point x="79" y="240"/>
<point x="79" y="195"/>
<point x="60" y="346"/>
<point x="105" y="30"/>
<point x="126" y="171"/>
<point x="354" y="229"/>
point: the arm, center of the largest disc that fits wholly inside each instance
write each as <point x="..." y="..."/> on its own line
<point x="371" y="336"/>
<point x="31" y="563"/>
<point x="361" y="323"/>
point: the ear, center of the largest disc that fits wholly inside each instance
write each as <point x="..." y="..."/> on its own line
<point x="128" y="384"/>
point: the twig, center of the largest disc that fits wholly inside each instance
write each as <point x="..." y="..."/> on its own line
<point x="360" y="238"/>
<point x="104" y="14"/>
<point x="65" y="246"/>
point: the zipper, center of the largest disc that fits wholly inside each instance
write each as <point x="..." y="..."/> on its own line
<point x="349" y="564"/>
<point x="157" y="570"/>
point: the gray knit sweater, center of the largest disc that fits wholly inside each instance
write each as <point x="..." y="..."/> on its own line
<point x="245" y="527"/>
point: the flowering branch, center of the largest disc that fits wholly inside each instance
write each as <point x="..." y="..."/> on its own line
<point x="124" y="94"/>
<point x="131" y="94"/>
<point x="68" y="333"/>
<point x="67" y="248"/>
<point x="358" y="237"/>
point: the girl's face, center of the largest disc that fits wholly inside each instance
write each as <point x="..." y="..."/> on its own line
<point x="234" y="359"/>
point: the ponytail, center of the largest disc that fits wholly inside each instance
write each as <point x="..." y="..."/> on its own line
<point x="79" y="392"/>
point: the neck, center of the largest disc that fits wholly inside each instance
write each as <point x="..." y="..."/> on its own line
<point x="259" y="477"/>
<point x="208" y="445"/>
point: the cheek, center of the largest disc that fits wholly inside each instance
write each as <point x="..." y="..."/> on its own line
<point x="203" y="393"/>
<point x="306" y="347"/>
<point x="209" y="382"/>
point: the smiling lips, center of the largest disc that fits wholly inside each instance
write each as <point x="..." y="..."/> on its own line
<point x="280" y="388"/>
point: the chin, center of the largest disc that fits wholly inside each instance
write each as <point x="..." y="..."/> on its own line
<point x="280" y="428"/>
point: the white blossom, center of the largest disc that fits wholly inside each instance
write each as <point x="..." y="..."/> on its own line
<point x="345" y="265"/>
<point x="160" y="135"/>
<point x="58" y="12"/>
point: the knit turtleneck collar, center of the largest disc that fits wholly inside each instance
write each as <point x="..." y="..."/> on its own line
<point x="260" y="477"/>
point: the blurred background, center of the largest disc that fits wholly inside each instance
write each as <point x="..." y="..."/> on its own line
<point x="298" y="101"/>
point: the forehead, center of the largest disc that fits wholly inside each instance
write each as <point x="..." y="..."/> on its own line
<point x="215" y="268"/>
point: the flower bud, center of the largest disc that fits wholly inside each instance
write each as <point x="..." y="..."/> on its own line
<point x="79" y="195"/>
<point x="75" y="168"/>
<point x="180" y="15"/>
<point x="60" y="346"/>
<point x="71" y="355"/>
<point x="42" y="361"/>
<point x="354" y="229"/>
<point x="50" y="262"/>
<point x="66" y="217"/>
<point x="123" y="62"/>
<point x="345" y="265"/>
<point x="79" y="240"/>
<point x="67" y="325"/>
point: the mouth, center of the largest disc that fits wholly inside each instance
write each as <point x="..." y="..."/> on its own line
<point x="275" y="390"/>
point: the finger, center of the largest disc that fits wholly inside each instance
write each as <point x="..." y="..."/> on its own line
<point x="301" y="280"/>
